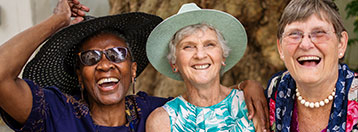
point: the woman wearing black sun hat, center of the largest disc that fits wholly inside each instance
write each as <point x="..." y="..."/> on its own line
<point x="79" y="79"/>
<point x="89" y="95"/>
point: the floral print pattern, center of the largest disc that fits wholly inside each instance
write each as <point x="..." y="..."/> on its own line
<point x="272" y="114"/>
<point x="352" y="114"/>
<point x="281" y="94"/>
<point x="352" y="108"/>
<point x="230" y="115"/>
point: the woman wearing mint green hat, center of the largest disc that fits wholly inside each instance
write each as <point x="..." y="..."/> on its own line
<point x="197" y="46"/>
<point x="79" y="79"/>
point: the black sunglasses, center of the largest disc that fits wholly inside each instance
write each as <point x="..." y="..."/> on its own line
<point x="92" y="57"/>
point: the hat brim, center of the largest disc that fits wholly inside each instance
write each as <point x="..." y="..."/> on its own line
<point x="54" y="64"/>
<point x="231" y="29"/>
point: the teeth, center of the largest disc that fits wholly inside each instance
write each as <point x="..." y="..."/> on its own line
<point x="201" y="66"/>
<point x="107" y="80"/>
<point x="308" y="58"/>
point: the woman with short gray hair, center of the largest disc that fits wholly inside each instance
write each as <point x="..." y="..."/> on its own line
<point x="197" y="46"/>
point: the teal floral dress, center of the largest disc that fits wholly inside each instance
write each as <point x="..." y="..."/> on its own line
<point x="230" y="115"/>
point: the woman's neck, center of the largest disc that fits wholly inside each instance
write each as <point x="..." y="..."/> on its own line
<point x="317" y="91"/>
<point x="108" y="115"/>
<point x="206" y="95"/>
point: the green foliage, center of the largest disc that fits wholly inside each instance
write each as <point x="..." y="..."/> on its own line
<point x="352" y="41"/>
<point x="352" y="11"/>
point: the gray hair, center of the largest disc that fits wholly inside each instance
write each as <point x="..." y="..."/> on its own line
<point x="300" y="10"/>
<point x="189" y="30"/>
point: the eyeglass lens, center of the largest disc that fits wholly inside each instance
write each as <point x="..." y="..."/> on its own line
<point x="319" y="36"/>
<point x="91" y="57"/>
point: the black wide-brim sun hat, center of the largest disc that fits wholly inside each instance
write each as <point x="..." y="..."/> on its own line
<point x="54" y="64"/>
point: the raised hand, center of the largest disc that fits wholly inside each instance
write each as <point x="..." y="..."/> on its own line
<point x="15" y="95"/>
<point x="70" y="8"/>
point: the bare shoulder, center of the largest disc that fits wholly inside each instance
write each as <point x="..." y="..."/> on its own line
<point x="158" y="121"/>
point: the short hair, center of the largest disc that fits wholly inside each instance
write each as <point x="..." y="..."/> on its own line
<point x="300" y="10"/>
<point x="189" y="30"/>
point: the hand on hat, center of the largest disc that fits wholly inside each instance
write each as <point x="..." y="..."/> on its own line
<point x="70" y="8"/>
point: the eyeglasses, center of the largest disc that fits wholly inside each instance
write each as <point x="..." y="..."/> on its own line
<point x="92" y="57"/>
<point x="317" y="37"/>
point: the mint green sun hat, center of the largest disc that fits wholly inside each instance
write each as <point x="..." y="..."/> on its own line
<point x="189" y="14"/>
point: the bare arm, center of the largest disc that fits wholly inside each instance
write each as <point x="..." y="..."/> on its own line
<point x="158" y="121"/>
<point x="15" y="94"/>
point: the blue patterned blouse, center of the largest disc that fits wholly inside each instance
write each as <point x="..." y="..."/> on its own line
<point x="53" y="111"/>
<point x="230" y="115"/>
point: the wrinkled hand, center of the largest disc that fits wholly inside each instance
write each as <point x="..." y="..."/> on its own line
<point x="70" y="8"/>
<point x="256" y="104"/>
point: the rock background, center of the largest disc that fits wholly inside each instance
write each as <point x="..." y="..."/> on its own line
<point x="260" y="62"/>
<point x="259" y="17"/>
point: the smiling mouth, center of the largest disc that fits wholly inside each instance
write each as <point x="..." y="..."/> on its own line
<point x="107" y="82"/>
<point x="309" y="60"/>
<point x="201" y="67"/>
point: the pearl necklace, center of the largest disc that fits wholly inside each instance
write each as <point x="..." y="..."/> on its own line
<point x="315" y="104"/>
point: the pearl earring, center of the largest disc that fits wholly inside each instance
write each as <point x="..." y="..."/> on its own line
<point x="223" y="63"/>
<point x="340" y="54"/>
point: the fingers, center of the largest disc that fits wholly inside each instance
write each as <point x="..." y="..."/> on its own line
<point x="256" y="125"/>
<point x="250" y="108"/>
<point x="77" y="9"/>
<point x="267" y="115"/>
<point x="263" y="117"/>
<point x="77" y="20"/>
<point x="71" y="3"/>
<point x="74" y="1"/>
<point x="260" y="117"/>
<point x="263" y="110"/>
<point x="76" y="12"/>
<point x="256" y="103"/>
<point x="82" y="7"/>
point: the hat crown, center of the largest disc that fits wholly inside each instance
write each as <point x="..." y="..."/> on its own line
<point x="188" y="7"/>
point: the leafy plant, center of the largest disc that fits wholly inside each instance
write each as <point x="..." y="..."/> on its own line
<point x="352" y="11"/>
